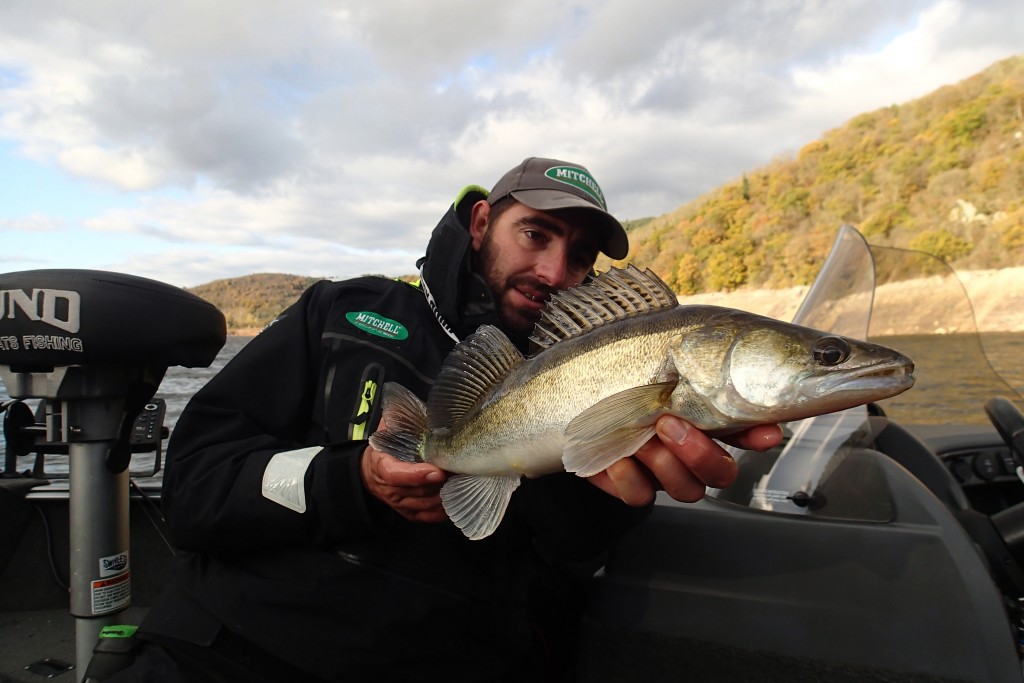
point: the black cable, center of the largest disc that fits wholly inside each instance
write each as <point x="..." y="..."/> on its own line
<point x="48" y="533"/>
<point x="149" y="507"/>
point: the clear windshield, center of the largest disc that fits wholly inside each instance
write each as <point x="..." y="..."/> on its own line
<point x="909" y="301"/>
<point x="922" y="308"/>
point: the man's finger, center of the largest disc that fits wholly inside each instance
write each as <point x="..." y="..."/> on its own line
<point x="759" y="438"/>
<point x="700" y="456"/>
<point x="628" y="480"/>
<point x="397" y="473"/>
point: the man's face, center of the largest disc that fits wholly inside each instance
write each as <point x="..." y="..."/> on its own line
<point x="526" y="255"/>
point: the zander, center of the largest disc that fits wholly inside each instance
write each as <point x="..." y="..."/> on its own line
<point x="617" y="354"/>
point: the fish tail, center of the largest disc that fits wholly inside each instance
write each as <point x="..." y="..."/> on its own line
<point x="405" y="419"/>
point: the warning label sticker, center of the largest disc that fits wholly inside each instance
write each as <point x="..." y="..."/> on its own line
<point x="770" y="496"/>
<point x="111" y="593"/>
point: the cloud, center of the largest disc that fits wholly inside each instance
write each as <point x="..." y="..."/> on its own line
<point x="911" y="64"/>
<point x="240" y="128"/>
<point x="317" y="258"/>
<point x="35" y="223"/>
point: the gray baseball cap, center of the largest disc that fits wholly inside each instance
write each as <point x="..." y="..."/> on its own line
<point x="551" y="185"/>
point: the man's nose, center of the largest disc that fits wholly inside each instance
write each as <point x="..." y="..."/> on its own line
<point x="552" y="268"/>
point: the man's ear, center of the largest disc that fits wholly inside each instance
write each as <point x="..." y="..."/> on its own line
<point x="478" y="222"/>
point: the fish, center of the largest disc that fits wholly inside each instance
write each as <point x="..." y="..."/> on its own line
<point x="612" y="356"/>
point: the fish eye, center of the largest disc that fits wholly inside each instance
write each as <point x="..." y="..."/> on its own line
<point x="831" y="351"/>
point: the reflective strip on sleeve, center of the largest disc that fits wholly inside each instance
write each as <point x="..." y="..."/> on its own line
<point x="284" y="480"/>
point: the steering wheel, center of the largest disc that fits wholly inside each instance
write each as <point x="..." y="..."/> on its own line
<point x="1008" y="421"/>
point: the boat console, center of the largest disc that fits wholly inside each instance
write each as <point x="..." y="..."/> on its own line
<point x="94" y="346"/>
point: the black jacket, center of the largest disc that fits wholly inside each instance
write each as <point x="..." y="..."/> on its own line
<point x="347" y="588"/>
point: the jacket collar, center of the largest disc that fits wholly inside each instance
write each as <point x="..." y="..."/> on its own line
<point x="460" y="297"/>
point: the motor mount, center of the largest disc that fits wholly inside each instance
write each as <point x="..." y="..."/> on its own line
<point x="95" y="346"/>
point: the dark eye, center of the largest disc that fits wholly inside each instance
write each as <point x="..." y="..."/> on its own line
<point x="831" y="351"/>
<point x="582" y="261"/>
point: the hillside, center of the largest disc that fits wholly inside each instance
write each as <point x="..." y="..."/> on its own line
<point x="943" y="174"/>
<point x="250" y="302"/>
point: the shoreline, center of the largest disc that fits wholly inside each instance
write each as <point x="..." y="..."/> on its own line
<point x="996" y="295"/>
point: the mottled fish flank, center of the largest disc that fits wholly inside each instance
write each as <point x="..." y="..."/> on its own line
<point x="615" y="355"/>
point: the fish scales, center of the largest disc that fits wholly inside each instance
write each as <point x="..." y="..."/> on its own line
<point x="566" y="380"/>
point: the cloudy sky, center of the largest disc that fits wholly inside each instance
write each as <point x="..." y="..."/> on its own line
<point x="193" y="140"/>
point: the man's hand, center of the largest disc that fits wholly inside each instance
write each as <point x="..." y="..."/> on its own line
<point x="413" y="490"/>
<point x="682" y="461"/>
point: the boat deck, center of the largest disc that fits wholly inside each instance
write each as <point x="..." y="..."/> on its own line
<point x="37" y="631"/>
<point x="38" y="645"/>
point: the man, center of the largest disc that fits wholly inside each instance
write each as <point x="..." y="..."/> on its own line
<point x="312" y="556"/>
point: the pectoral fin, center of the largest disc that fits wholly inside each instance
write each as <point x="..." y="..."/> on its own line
<point x="477" y="504"/>
<point x="614" y="428"/>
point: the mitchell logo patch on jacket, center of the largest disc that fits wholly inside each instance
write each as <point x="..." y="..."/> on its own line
<point x="376" y="324"/>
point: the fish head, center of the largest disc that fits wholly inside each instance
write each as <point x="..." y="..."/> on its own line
<point x="754" y="369"/>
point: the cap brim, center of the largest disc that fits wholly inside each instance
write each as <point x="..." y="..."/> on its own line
<point x="616" y="244"/>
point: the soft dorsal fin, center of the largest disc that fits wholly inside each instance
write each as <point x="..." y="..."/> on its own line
<point x="478" y="364"/>
<point x="613" y="295"/>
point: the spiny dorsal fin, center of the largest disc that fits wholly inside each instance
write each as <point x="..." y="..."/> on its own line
<point x="613" y="295"/>
<point x="471" y="371"/>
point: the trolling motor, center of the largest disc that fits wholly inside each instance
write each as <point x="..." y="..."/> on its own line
<point x="95" y="346"/>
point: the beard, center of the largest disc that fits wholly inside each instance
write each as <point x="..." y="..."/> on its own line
<point x="516" y="321"/>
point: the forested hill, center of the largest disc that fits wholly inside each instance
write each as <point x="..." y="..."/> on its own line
<point x="943" y="173"/>
<point x="250" y="302"/>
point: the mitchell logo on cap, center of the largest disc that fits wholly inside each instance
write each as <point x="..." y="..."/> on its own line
<point x="578" y="178"/>
<point x="558" y="185"/>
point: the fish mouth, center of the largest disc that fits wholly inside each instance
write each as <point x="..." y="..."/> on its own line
<point x="880" y="380"/>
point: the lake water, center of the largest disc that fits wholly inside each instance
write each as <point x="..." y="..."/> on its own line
<point x="956" y="375"/>
<point x="954" y="379"/>
<point x="176" y="389"/>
